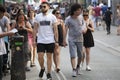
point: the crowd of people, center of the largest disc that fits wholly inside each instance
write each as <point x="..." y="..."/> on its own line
<point x="47" y="32"/>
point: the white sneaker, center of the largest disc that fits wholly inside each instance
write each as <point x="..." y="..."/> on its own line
<point x="74" y="74"/>
<point x="78" y="71"/>
<point x="81" y="66"/>
<point x="88" y="68"/>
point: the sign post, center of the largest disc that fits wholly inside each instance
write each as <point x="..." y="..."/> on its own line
<point x="18" y="62"/>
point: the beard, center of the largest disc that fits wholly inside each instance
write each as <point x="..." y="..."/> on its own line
<point x="44" y="11"/>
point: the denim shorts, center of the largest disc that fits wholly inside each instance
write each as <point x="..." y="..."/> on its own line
<point x="75" y="49"/>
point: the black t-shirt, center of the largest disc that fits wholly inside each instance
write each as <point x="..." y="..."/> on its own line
<point x="108" y="14"/>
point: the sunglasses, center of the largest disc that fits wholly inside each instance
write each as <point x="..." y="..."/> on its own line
<point x="43" y="6"/>
<point x="57" y="12"/>
<point x="85" y="15"/>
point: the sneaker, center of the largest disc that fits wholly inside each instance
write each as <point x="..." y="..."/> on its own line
<point x="88" y="68"/>
<point x="27" y="69"/>
<point x="74" y="74"/>
<point x="78" y="71"/>
<point x="32" y="65"/>
<point x="41" y="73"/>
<point x="57" y="70"/>
<point x="49" y="76"/>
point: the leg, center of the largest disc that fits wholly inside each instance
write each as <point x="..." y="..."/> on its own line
<point x="87" y="56"/>
<point x="118" y="30"/>
<point x="73" y="63"/>
<point x="34" y="53"/>
<point x="83" y="57"/>
<point x="56" y="57"/>
<point x="72" y="50"/>
<point x="88" y="59"/>
<point x="49" y="62"/>
<point x="107" y="26"/>
<point x="79" y="55"/>
<point x="49" y="50"/>
<point x="41" y="59"/>
<point x="41" y="62"/>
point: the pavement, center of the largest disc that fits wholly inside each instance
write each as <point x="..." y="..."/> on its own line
<point x="111" y="41"/>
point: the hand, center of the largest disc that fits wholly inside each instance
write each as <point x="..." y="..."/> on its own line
<point x="34" y="44"/>
<point x="10" y="33"/>
<point x="64" y="43"/>
<point x="56" y="45"/>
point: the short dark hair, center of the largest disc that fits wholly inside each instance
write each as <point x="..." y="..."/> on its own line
<point x="46" y="3"/>
<point x="54" y="11"/>
<point x="2" y="8"/>
<point x="74" y="8"/>
<point x="28" y="14"/>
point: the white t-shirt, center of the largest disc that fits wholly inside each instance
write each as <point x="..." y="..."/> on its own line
<point x="2" y="44"/>
<point x="45" y="29"/>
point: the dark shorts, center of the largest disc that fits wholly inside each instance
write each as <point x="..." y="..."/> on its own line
<point x="48" y="48"/>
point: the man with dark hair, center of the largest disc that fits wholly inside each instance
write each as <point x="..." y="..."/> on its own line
<point x="76" y="27"/>
<point x="108" y="18"/>
<point x="47" y="38"/>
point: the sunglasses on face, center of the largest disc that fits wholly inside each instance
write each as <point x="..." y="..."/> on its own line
<point x="43" y="6"/>
<point x="57" y="12"/>
<point x="85" y="15"/>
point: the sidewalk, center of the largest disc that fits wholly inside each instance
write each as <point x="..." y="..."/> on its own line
<point x="31" y="75"/>
<point x="112" y="41"/>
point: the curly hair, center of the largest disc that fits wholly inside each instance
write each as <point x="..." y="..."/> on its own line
<point x="74" y="8"/>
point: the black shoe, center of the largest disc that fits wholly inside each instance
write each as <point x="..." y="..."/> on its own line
<point x="27" y="69"/>
<point x="57" y="70"/>
<point x="32" y="65"/>
<point x="41" y="73"/>
<point x="49" y="76"/>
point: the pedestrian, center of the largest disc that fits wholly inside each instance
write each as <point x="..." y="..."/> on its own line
<point x="47" y="38"/>
<point x="2" y="43"/>
<point x="118" y="19"/>
<point x="76" y="27"/>
<point x="23" y="26"/>
<point x="5" y="25"/>
<point x="31" y="16"/>
<point x="108" y="18"/>
<point x="88" y="38"/>
<point x="61" y="39"/>
<point x="97" y="16"/>
<point x="104" y="9"/>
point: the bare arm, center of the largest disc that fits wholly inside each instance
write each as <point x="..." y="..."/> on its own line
<point x="6" y="34"/>
<point x="55" y="29"/>
<point x="90" y="26"/>
<point x="66" y="30"/>
<point x="35" y="33"/>
<point x="28" y="27"/>
<point x="64" y="34"/>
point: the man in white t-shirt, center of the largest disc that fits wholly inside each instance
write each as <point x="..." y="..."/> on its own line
<point x="2" y="34"/>
<point x="47" y="37"/>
